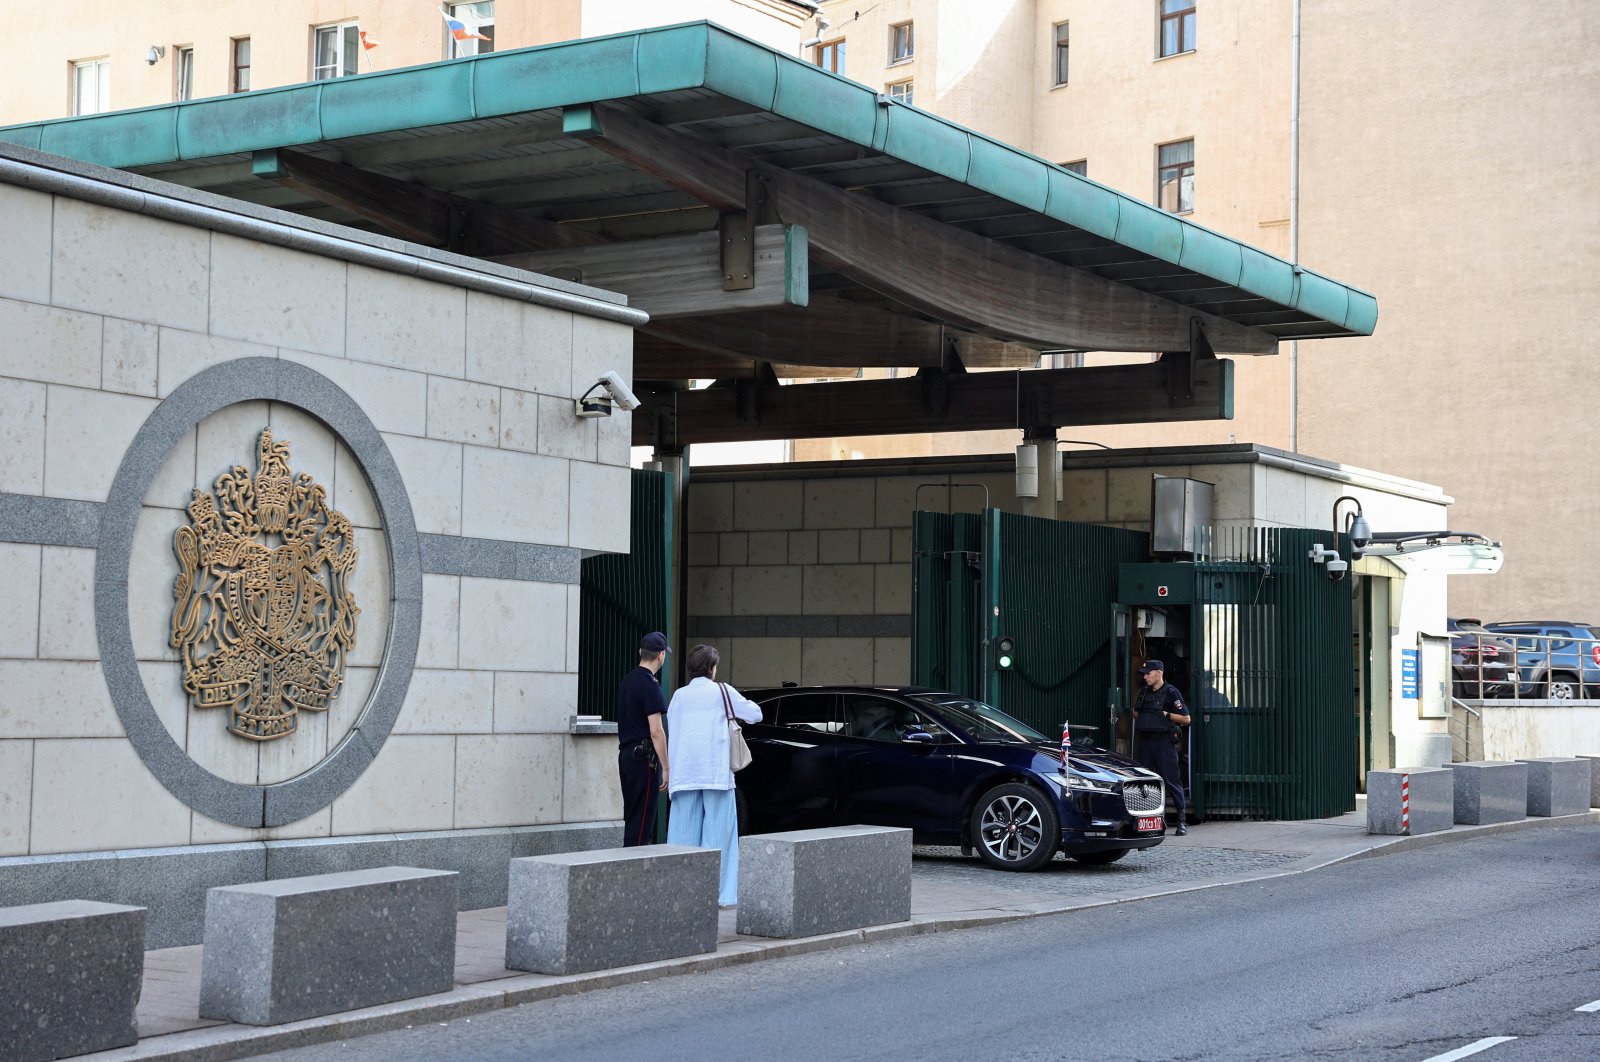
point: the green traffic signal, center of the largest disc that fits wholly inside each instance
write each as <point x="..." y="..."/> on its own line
<point x="1005" y="653"/>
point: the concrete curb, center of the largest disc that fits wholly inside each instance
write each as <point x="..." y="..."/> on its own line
<point x="225" y="1042"/>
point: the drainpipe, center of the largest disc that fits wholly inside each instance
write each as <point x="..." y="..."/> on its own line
<point x="1294" y="221"/>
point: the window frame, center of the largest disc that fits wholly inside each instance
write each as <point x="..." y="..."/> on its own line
<point x="1080" y="166"/>
<point x="234" y="66"/>
<point x="907" y="93"/>
<point x="1060" y="54"/>
<point x="101" y="65"/>
<point x="344" y="32"/>
<point x="834" y="48"/>
<point x="896" y="57"/>
<point x="1185" y="41"/>
<point x="1161" y="168"/>
<point x="451" y="44"/>
<point x="183" y="71"/>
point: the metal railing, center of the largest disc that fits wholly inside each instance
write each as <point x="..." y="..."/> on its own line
<point x="1525" y="666"/>
<point x="1466" y="732"/>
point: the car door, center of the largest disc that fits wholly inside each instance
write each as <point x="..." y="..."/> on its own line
<point x="895" y="766"/>
<point x="792" y="781"/>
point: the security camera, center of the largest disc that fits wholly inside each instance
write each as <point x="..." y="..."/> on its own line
<point x="1337" y="568"/>
<point x="618" y="389"/>
<point x="811" y="42"/>
<point x="617" y="393"/>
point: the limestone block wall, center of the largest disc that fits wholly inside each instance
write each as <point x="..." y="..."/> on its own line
<point x="104" y="313"/>
<point x="802" y="573"/>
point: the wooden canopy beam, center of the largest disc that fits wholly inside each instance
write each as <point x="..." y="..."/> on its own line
<point x="1177" y="388"/>
<point x="831" y="331"/>
<point x="655" y="358"/>
<point x="951" y="275"/>
<point x="682" y="276"/>
<point x="415" y="211"/>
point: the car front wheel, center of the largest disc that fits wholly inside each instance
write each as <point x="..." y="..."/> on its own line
<point x="1015" y="827"/>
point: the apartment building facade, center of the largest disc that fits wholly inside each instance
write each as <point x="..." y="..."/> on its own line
<point x="114" y="55"/>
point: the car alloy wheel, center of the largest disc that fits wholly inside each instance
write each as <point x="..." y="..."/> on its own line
<point x="1562" y="688"/>
<point x="1015" y="827"/>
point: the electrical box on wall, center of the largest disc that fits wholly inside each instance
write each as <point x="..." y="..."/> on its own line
<point x="1432" y="678"/>
<point x="1178" y="507"/>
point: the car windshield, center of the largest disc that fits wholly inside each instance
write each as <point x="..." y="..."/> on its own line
<point x="980" y="720"/>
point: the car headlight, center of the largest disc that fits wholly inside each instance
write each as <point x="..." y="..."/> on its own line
<point x="1084" y="782"/>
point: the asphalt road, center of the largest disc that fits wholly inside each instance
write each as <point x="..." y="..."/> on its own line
<point x="1408" y="956"/>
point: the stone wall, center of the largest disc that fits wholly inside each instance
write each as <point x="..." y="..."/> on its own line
<point x="803" y="573"/>
<point x="466" y="371"/>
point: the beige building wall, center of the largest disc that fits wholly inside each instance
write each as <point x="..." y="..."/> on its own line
<point x="39" y="66"/>
<point x="1454" y="185"/>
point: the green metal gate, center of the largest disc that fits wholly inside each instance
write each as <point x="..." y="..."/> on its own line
<point x="1269" y="646"/>
<point x="1045" y="584"/>
<point x="1274" y="732"/>
<point x="626" y="595"/>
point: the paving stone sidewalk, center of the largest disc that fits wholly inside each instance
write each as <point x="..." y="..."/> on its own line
<point x="948" y="891"/>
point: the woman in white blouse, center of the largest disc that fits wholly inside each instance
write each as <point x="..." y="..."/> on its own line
<point x="704" y="813"/>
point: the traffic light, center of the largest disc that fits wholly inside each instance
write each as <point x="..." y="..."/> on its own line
<point x="1005" y="653"/>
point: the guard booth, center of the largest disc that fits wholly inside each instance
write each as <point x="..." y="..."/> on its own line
<point x="1049" y="620"/>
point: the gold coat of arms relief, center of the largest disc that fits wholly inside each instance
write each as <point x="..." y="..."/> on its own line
<point x="264" y="618"/>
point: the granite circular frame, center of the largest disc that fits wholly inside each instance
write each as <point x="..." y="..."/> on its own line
<point x="213" y="389"/>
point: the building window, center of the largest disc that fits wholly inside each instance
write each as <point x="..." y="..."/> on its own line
<point x="902" y="45"/>
<point x="1081" y="167"/>
<point x="1175" y="176"/>
<point x="1061" y="53"/>
<point x="184" y="70"/>
<point x="901" y="90"/>
<point x="477" y="21"/>
<point x="241" y="65"/>
<point x="1177" y="26"/>
<point x="830" y="56"/>
<point x="334" y="51"/>
<point x="91" y="86"/>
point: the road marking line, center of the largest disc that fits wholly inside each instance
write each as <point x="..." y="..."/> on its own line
<point x="1471" y="1049"/>
<point x="1587" y="1008"/>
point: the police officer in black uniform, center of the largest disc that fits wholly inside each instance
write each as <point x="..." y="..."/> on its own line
<point x="1157" y="714"/>
<point x="642" y="742"/>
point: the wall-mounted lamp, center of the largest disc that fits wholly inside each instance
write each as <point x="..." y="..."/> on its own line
<point x="156" y="53"/>
<point x="1355" y="526"/>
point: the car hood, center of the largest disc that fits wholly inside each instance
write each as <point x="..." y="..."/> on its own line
<point x="1045" y="758"/>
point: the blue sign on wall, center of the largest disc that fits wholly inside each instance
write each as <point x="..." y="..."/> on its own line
<point x="1408" y="674"/>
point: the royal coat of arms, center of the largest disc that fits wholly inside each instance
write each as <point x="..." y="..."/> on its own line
<point x="264" y="617"/>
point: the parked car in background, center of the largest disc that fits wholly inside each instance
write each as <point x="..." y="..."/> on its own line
<point x="954" y="770"/>
<point x="1481" y="662"/>
<point x="1555" y="659"/>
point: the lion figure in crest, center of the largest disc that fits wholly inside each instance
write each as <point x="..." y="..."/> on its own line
<point x="264" y="618"/>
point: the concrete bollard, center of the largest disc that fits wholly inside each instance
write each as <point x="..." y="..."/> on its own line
<point x="806" y="882"/>
<point x="1489" y="791"/>
<point x="1594" y="777"/>
<point x="1431" y="804"/>
<point x="70" y="977"/>
<point x="574" y="912"/>
<point x="1558" y="785"/>
<point x="279" y="951"/>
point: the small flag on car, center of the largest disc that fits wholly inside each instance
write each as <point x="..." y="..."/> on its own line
<point x="1066" y="743"/>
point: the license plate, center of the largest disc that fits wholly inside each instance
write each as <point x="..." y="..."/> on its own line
<point x="1151" y="824"/>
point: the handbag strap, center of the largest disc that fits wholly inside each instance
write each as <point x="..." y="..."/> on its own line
<point x="727" y="703"/>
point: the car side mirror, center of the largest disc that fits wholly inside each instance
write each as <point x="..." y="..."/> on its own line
<point x="918" y="737"/>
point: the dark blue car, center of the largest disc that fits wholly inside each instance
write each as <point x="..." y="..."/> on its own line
<point x="953" y="770"/>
